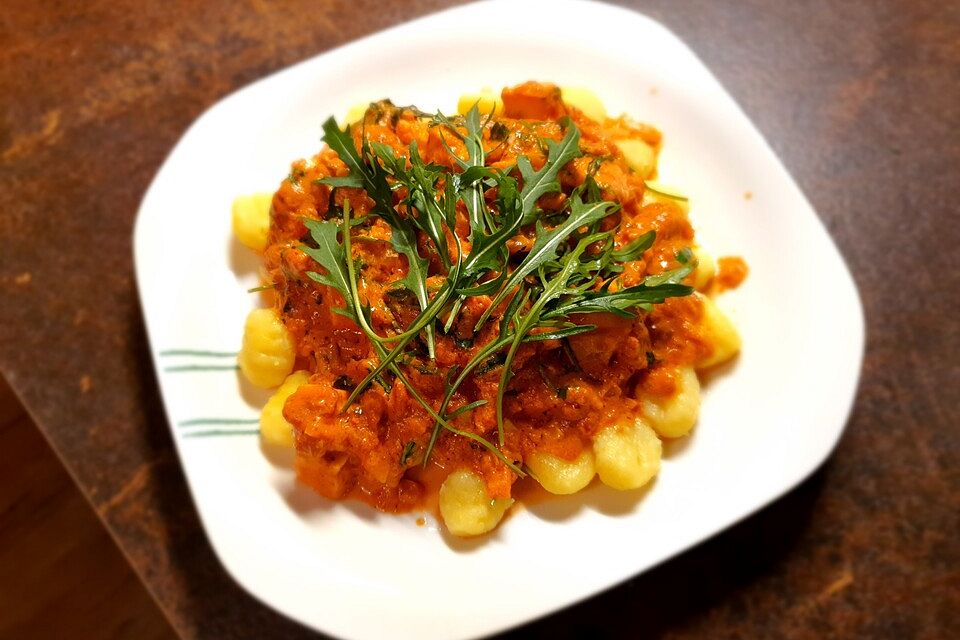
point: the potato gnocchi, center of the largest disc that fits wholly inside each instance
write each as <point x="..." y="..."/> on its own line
<point x="466" y="505"/>
<point x="457" y="302"/>
<point x="559" y="476"/>
<point x="251" y="220"/>
<point x="628" y="454"/>
<point x="274" y="428"/>
<point x="267" y="355"/>
<point x="674" y="415"/>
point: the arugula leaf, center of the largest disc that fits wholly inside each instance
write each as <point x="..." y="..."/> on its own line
<point x="341" y="181"/>
<point x="538" y="183"/>
<point x="620" y="302"/>
<point x="404" y="241"/>
<point x="560" y="334"/>
<point x="372" y="178"/>
<point x="465" y="408"/>
<point x="687" y="264"/>
<point x="653" y="290"/>
<point x="407" y="452"/>
<point x="488" y="251"/>
<point x="473" y="196"/>
<point x="530" y="319"/>
<point x="545" y="247"/>
<point x="635" y="249"/>
<point x="373" y="182"/>
<point x="556" y="279"/>
<point x="451" y="387"/>
<point x="331" y="256"/>
<point x="421" y="180"/>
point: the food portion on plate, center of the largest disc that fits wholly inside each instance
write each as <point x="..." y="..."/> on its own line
<point x="454" y="303"/>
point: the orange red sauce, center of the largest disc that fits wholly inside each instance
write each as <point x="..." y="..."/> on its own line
<point x="731" y="271"/>
<point x="560" y="394"/>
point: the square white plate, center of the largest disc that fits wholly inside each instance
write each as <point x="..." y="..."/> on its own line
<point x="766" y="423"/>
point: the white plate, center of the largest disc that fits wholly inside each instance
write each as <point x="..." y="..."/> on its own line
<point x="344" y="569"/>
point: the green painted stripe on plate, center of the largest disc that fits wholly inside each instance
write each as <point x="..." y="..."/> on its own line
<point x="198" y="352"/>
<point x="201" y="367"/>
<point x="199" y="421"/>
<point x="209" y="433"/>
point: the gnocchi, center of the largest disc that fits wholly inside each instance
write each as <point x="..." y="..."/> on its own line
<point x="627" y="455"/>
<point x="355" y="113"/>
<point x="274" y="428"/>
<point x="639" y="156"/>
<point x="560" y="476"/>
<point x="267" y="354"/>
<point x="706" y="269"/>
<point x="674" y="416"/>
<point x="251" y="220"/>
<point x="466" y="507"/>
<point x="721" y="333"/>
<point x="486" y="100"/>
<point x="585" y="100"/>
<point x="658" y="192"/>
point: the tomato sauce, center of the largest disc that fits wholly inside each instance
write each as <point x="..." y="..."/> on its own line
<point x="731" y="271"/>
<point x="561" y="394"/>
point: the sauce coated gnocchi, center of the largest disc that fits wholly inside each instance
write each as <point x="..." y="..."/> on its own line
<point x="466" y="505"/>
<point x="674" y="415"/>
<point x="274" y="428"/>
<point x="473" y="298"/>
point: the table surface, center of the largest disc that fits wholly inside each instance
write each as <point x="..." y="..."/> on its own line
<point x="860" y="99"/>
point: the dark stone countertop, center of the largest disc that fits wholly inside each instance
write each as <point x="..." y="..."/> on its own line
<point x="860" y="99"/>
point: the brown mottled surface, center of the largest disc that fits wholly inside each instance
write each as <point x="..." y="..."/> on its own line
<point x="860" y="99"/>
<point x="61" y="576"/>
